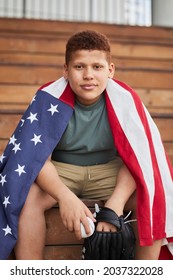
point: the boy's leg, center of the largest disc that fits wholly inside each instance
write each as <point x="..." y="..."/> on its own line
<point x="32" y="228"/>
<point x="148" y="252"/>
<point x="142" y="252"/>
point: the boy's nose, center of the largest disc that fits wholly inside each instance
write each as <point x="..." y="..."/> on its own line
<point x="88" y="74"/>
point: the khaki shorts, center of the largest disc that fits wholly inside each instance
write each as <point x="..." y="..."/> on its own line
<point x="90" y="182"/>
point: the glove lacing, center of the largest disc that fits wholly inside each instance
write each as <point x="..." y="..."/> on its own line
<point x="97" y="210"/>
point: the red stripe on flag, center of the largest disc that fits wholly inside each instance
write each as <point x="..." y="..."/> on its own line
<point x="127" y="154"/>
<point x="159" y="197"/>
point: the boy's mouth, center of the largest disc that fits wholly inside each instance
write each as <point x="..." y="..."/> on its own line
<point x="88" y="86"/>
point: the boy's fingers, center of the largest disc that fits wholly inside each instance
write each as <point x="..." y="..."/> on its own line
<point x="102" y="226"/>
<point x="90" y="215"/>
<point x="77" y="230"/>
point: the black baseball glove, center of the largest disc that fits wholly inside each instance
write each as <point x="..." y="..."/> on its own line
<point x="117" y="245"/>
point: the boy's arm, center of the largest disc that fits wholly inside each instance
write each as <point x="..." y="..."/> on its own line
<point x="72" y="209"/>
<point x="125" y="187"/>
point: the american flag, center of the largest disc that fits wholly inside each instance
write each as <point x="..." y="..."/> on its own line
<point x="36" y="135"/>
<point x="137" y="140"/>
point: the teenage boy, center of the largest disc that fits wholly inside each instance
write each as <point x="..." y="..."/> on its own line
<point x="95" y="158"/>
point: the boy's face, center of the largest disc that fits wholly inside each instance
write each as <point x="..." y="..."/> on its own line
<point x="88" y="73"/>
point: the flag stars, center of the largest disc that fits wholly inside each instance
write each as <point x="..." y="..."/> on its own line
<point x="36" y="139"/>
<point x="2" y="158"/>
<point x="33" y="99"/>
<point x="12" y="140"/>
<point x="32" y="117"/>
<point x="6" y="201"/>
<point x="7" y="230"/>
<point x="20" y="169"/>
<point x="3" y="179"/>
<point x="22" y="122"/>
<point x="53" y="109"/>
<point x="16" y="148"/>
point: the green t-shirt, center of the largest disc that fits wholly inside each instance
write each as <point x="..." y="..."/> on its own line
<point x="87" y="139"/>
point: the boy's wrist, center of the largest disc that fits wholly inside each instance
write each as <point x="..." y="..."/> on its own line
<point x="118" y="209"/>
<point x="63" y="193"/>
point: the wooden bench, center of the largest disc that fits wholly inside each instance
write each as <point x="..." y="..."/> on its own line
<point x="60" y="243"/>
<point x="32" y="53"/>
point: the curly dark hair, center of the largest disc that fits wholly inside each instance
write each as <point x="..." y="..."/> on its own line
<point x="87" y="40"/>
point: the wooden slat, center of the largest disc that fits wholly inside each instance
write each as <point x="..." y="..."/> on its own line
<point x="8" y="123"/>
<point x="73" y="252"/>
<point x="141" y="51"/>
<point x="146" y="79"/>
<point x="17" y="94"/>
<point x="57" y="46"/>
<point x="65" y="29"/>
<point x="146" y="64"/>
<point x="13" y="107"/>
<point x="27" y="75"/>
<point x="17" y="58"/>
<point x="165" y="127"/>
<point x="59" y="252"/>
<point x="156" y="98"/>
<point x="32" y="45"/>
<point x="3" y="143"/>
<point x="169" y="149"/>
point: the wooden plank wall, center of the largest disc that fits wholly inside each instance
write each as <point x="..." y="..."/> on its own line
<point x="32" y="53"/>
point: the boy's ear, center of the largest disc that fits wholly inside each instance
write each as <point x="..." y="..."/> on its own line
<point x="111" y="70"/>
<point x="65" y="72"/>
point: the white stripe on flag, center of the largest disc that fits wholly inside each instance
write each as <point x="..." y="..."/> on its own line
<point x="124" y="107"/>
<point x="56" y="88"/>
<point x="165" y="174"/>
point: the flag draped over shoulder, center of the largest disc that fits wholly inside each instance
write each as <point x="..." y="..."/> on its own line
<point x="36" y="135"/>
<point x="136" y="138"/>
<point x="138" y="142"/>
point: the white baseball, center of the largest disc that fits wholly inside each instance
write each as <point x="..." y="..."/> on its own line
<point x="92" y="228"/>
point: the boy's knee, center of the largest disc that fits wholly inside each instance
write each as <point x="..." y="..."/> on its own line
<point x="38" y="200"/>
<point x="33" y="199"/>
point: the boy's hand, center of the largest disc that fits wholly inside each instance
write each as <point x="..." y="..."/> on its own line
<point x="106" y="227"/>
<point x="73" y="212"/>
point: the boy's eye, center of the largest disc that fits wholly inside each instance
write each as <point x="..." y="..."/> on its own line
<point x="98" y="66"/>
<point x="78" y="66"/>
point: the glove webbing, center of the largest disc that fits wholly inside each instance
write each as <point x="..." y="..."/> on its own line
<point x="108" y="215"/>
